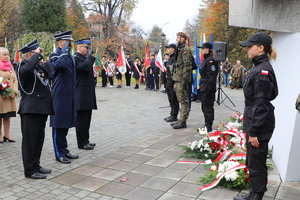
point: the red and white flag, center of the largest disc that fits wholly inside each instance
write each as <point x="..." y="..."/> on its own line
<point x="264" y="72"/>
<point x="121" y="63"/>
<point x="159" y="63"/>
<point x="147" y="57"/>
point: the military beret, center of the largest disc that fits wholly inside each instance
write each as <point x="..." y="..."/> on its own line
<point x="67" y="35"/>
<point x="30" y="46"/>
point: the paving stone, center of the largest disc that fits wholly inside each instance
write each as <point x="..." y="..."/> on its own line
<point x="117" y="155"/>
<point x="186" y="189"/>
<point x="160" y="162"/>
<point x="115" y="189"/>
<point x="218" y="194"/>
<point x="108" y="174"/>
<point x="138" y="158"/>
<point x="124" y="166"/>
<point x="90" y="183"/>
<point x="68" y="178"/>
<point x="130" y="149"/>
<point x="149" y="152"/>
<point x="133" y="178"/>
<point x="158" y="183"/>
<point x="169" y="196"/>
<point x="103" y="162"/>
<point x="288" y="193"/>
<point x="192" y="177"/>
<point x="147" y="170"/>
<point x="173" y="174"/>
<point x="143" y="194"/>
<point x="183" y="166"/>
<point x="161" y="147"/>
<point x="86" y="170"/>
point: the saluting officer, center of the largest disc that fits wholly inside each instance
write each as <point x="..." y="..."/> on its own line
<point x="64" y="94"/>
<point x="34" y="108"/>
<point x="85" y="92"/>
<point x="208" y="81"/>
<point x="182" y="77"/>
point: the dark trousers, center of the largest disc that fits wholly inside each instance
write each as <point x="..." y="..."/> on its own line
<point x="150" y="81"/>
<point x="208" y="99"/>
<point x="83" y="121"/>
<point x="256" y="162"/>
<point x="172" y="100"/>
<point x="33" y="135"/>
<point x="164" y="79"/>
<point x="104" y="77"/>
<point x="60" y="143"/>
<point x="127" y="77"/>
<point x="111" y="80"/>
<point x="156" y="81"/>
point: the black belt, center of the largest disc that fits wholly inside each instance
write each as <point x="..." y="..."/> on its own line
<point x="249" y="103"/>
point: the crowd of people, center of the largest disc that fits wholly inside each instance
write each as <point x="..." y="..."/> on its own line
<point x="70" y="98"/>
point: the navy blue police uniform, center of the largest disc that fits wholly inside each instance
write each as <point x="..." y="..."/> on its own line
<point x="64" y="97"/>
<point x="34" y="108"/>
<point x="85" y="96"/>
<point x="208" y="81"/>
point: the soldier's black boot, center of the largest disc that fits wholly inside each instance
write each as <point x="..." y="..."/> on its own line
<point x="244" y="197"/>
<point x="257" y="196"/>
<point x="172" y="119"/>
<point x="167" y="117"/>
<point x="174" y="123"/>
<point x="180" y="124"/>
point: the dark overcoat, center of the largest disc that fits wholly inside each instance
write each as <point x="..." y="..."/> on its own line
<point x="34" y="81"/>
<point x="63" y="88"/>
<point x="85" y="86"/>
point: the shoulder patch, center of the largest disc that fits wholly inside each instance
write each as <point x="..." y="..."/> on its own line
<point x="213" y="68"/>
<point x="211" y="61"/>
<point x="264" y="72"/>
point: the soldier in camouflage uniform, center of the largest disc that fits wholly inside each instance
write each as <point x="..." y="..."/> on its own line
<point x="182" y="76"/>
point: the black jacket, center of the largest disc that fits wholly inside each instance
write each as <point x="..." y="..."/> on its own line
<point x="33" y="79"/>
<point x="170" y="81"/>
<point x="85" y="85"/>
<point x="209" y="72"/>
<point x="260" y="88"/>
<point x="130" y="62"/>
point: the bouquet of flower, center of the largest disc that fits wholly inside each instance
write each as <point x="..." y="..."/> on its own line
<point x="5" y="89"/>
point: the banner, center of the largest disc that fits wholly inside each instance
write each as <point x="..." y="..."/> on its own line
<point x="121" y="63"/>
<point x="147" y="57"/>
<point x="159" y="63"/>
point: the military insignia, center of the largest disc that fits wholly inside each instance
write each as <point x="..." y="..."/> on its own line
<point x="211" y="61"/>
<point x="184" y="52"/>
<point x="213" y="68"/>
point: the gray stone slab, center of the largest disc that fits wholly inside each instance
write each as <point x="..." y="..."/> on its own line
<point x="143" y="194"/>
<point x="183" y="166"/>
<point x="173" y="174"/>
<point x="186" y="189"/>
<point x="147" y="170"/>
<point x="288" y="193"/>
<point x="161" y="147"/>
<point x="169" y="155"/>
<point x="103" y="162"/>
<point x="133" y="178"/>
<point x="160" y="162"/>
<point x="68" y="178"/>
<point x="108" y="174"/>
<point x="123" y="166"/>
<point x="158" y="183"/>
<point x="138" y="158"/>
<point x="149" y="152"/>
<point x="115" y="189"/>
<point x="218" y="194"/>
<point x="90" y="183"/>
<point x="193" y="177"/>
<point x="117" y="155"/>
<point x="87" y="170"/>
<point x="170" y="196"/>
<point x="130" y="149"/>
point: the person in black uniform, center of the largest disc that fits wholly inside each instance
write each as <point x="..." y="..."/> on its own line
<point x="85" y="92"/>
<point x="150" y="76"/>
<point x="34" y="108"/>
<point x="171" y="48"/>
<point x="208" y="81"/>
<point x="136" y="72"/>
<point x="104" y="64"/>
<point x="129" y="66"/>
<point x="259" y="121"/>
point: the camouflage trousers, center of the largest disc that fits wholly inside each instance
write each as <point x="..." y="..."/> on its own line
<point x="182" y="96"/>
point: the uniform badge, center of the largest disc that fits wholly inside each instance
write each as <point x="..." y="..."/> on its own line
<point x="184" y="52"/>
<point x="211" y="61"/>
<point x="213" y="68"/>
<point x="264" y="72"/>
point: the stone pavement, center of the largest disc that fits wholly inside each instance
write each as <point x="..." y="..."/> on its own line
<point x="133" y="141"/>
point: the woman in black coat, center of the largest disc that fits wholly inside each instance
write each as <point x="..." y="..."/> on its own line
<point x="259" y="121"/>
<point x="137" y="67"/>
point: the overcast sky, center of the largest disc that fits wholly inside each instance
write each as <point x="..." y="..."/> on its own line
<point x="160" y="12"/>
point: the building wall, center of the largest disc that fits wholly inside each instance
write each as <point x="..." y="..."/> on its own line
<point x="275" y="15"/>
<point x="282" y="17"/>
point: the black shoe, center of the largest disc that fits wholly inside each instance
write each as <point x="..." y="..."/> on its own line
<point x="86" y="147"/>
<point x="44" y="171"/>
<point x="174" y="123"/>
<point x="92" y="144"/>
<point x="37" y="175"/>
<point x="180" y="124"/>
<point x="244" y="197"/>
<point x="208" y="128"/>
<point x="167" y="117"/>
<point x="63" y="160"/>
<point x="6" y="139"/>
<point x="172" y="119"/>
<point x="119" y="86"/>
<point x="71" y="156"/>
